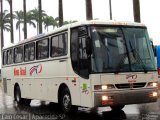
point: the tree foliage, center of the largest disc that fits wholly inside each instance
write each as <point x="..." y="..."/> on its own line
<point x="6" y="21"/>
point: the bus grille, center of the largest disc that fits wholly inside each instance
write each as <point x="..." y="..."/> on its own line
<point x="130" y="85"/>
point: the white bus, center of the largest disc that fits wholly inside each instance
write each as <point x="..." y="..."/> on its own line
<point x="87" y="64"/>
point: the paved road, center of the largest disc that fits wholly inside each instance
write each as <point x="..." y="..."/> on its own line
<point x="38" y="111"/>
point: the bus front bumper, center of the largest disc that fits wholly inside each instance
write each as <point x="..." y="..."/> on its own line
<point x="124" y="97"/>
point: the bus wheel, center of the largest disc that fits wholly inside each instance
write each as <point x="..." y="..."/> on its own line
<point x="66" y="103"/>
<point x="17" y="95"/>
<point x="119" y="107"/>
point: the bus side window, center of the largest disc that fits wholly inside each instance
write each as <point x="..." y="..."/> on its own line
<point x="59" y="45"/>
<point x="29" y="52"/>
<point x="83" y="57"/>
<point x="18" y="54"/>
<point x="10" y="56"/>
<point x="80" y="60"/>
<point x="54" y="46"/>
<point x="63" y="42"/>
<point x="74" y="50"/>
<point x="42" y="48"/>
<point x="4" y="57"/>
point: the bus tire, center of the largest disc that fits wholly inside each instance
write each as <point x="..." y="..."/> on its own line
<point x="17" y="95"/>
<point x="66" y="103"/>
<point x="118" y="107"/>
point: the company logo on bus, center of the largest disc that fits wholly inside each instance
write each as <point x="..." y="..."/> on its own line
<point x="131" y="79"/>
<point x="19" y="71"/>
<point x="36" y="69"/>
<point x="131" y="76"/>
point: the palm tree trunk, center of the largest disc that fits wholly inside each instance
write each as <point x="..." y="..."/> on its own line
<point x="25" y="22"/>
<point x="37" y="28"/>
<point x="136" y="10"/>
<point x="19" y="33"/>
<point x="11" y="12"/>
<point x="2" y="42"/>
<point x="110" y="9"/>
<point x="60" y="10"/>
<point x="89" y="10"/>
<point x="40" y="15"/>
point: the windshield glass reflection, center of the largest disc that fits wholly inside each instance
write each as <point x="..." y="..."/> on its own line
<point x="121" y="49"/>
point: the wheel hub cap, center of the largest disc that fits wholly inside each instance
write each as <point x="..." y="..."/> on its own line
<point x="66" y="101"/>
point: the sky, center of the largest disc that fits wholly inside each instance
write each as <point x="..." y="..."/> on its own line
<point x="122" y="10"/>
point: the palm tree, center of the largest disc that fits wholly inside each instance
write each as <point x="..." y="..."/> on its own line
<point x="25" y="23"/>
<point x="136" y="10"/>
<point x="68" y="22"/>
<point x="5" y="23"/>
<point x="89" y="10"/>
<point x="29" y="19"/>
<point x="40" y="15"/>
<point x="11" y="20"/>
<point x="1" y="25"/>
<point x="50" y="21"/>
<point x="20" y="20"/>
<point x="110" y="9"/>
<point x="60" y="12"/>
<point x="35" y="16"/>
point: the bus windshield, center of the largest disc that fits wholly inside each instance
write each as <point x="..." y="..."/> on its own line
<point x="121" y="49"/>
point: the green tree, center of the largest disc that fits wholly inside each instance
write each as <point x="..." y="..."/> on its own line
<point x="5" y="21"/>
<point x="69" y="22"/>
<point x="20" y="20"/>
<point x="4" y="25"/>
<point x="35" y="16"/>
<point x="50" y="21"/>
<point x="89" y="10"/>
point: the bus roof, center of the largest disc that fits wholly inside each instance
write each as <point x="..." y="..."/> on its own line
<point x="76" y="24"/>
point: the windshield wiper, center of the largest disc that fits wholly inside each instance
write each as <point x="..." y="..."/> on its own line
<point x="138" y="58"/>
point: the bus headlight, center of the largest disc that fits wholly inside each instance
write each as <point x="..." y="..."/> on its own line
<point x="154" y="94"/>
<point x="152" y="84"/>
<point x="104" y="87"/>
<point x="104" y="98"/>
